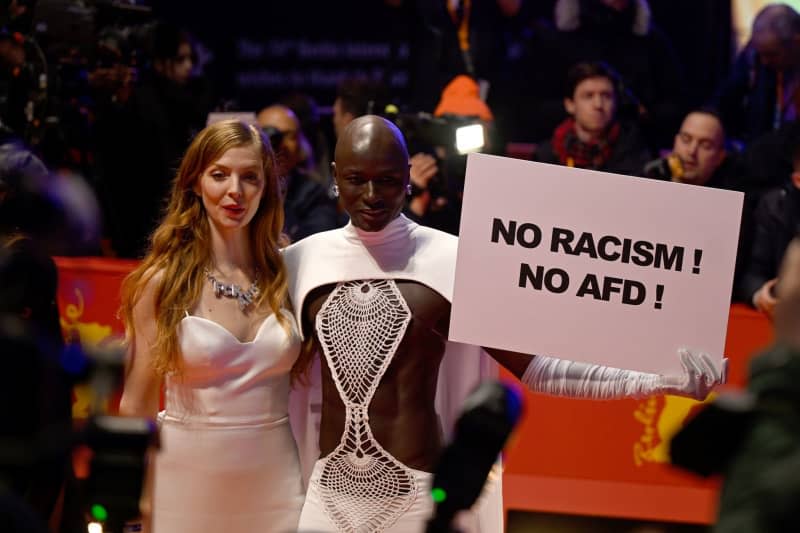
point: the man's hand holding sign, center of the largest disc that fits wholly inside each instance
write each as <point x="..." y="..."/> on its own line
<point x="626" y="281"/>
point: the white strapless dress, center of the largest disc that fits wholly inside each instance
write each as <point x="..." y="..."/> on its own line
<point x="228" y="462"/>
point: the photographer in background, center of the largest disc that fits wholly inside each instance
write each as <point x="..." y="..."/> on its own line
<point x="429" y="202"/>
<point x="307" y="207"/>
<point x="438" y="165"/>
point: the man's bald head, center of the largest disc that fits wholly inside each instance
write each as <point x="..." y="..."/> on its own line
<point x="370" y="133"/>
<point x="278" y="116"/>
<point x="371" y="172"/>
<point x="776" y="36"/>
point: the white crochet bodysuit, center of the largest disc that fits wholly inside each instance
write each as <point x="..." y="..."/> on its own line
<point x="360" y="325"/>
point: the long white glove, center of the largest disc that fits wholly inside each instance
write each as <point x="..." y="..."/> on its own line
<point x="574" y="379"/>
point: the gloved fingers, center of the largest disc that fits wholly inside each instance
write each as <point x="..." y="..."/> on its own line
<point x="690" y="362"/>
<point x="710" y="372"/>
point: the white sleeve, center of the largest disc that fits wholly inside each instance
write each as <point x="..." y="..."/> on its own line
<point x="575" y="379"/>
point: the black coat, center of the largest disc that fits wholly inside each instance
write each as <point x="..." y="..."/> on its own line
<point x="776" y="222"/>
<point x="308" y="208"/>
<point x="762" y="486"/>
<point x="746" y="99"/>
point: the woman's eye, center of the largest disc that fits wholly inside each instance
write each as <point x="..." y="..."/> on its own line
<point x="218" y="175"/>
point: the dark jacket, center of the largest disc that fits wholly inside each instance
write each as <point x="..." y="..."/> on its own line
<point x="308" y="208"/>
<point x="761" y="489"/>
<point x="36" y="432"/>
<point x="628" y="156"/>
<point x="746" y="99"/>
<point x="776" y="222"/>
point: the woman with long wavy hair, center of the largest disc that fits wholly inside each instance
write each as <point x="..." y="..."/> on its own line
<point x="205" y="314"/>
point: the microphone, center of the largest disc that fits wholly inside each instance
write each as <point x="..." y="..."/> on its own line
<point x="488" y="416"/>
<point x="664" y="168"/>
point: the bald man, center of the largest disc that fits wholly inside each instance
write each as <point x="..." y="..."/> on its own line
<point x="375" y="298"/>
<point x="308" y="208"/>
<point x="700" y="145"/>
<point x="762" y="92"/>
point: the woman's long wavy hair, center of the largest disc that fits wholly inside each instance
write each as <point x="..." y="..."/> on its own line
<point x="180" y="247"/>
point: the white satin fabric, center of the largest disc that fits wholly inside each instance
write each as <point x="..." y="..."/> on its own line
<point x="228" y="462"/>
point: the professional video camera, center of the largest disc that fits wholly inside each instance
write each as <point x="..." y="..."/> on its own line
<point x="118" y="449"/>
<point x="449" y="137"/>
<point x="274" y="135"/>
<point x="108" y="483"/>
<point x="61" y="49"/>
<point x="37" y="436"/>
<point x="455" y="133"/>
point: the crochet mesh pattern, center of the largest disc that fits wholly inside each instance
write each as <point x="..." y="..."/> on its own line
<point x="362" y="486"/>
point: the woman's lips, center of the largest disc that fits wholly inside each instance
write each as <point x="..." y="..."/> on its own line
<point x="233" y="209"/>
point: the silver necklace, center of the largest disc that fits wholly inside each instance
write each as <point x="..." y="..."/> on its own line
<point x="231" y="290"/>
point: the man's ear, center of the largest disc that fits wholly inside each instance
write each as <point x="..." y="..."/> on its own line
<point x="569" y="105"/>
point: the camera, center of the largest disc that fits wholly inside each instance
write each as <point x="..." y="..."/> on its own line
<point x="72" y="52"/>
<point x="275" y="137"/>
<point x="39" y="439"/>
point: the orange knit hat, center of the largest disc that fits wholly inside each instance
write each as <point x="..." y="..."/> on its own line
<point x="462" y="97"/>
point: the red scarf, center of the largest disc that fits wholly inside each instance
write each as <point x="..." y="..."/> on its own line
<point x="573" y="152"/>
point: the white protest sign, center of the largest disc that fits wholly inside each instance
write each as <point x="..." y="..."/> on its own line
<point x="592" y="266"/>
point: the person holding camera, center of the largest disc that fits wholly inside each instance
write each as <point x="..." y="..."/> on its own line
<point x="307" y="207"/>
<point x="206" y="314"/>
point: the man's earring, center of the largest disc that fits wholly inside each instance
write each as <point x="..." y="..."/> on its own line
<point x="335" y="190"/>
<point x="408" y="189"/>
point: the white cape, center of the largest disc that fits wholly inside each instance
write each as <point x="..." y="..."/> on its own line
<point x="403" y="250"/>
